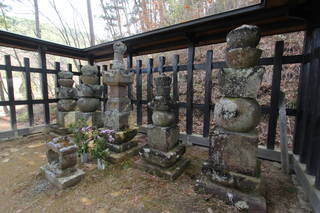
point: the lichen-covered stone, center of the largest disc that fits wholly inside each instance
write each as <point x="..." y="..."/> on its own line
<point x="89" y="79"/>
<point x="95" y="119"/>
<point x="240" y="82"/>
<point x="116" y="120"/>
<point x="121" y="147"/>
<point x="235" y="152"/>
<point x="237" y="114"/>
<point x="67" y="93"/>
<point x="66" y="82"/>
<point x="121" y="104"/>
<point x="66" y="105"/>
<point x="89" y="70"/>
<point x="65" y="119"/>
<point x="243" y="36"/>
<point x="88" y="104"/>
<point x="163" y="118"/>
<point x="163" y="138"/>
<point x="65" y="75"/>
<point x="125" y="135"/>
<point x="89" y="91"/>
<point x="241" y="58"/>
<point x="160" y="158"/>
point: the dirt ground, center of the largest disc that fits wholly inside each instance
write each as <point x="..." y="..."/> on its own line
<point x="120" y="188"/>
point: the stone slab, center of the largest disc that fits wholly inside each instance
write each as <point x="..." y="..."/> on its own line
<point x="122" y="156"/>
<point x="92" y="118"/>
<point x="255" y="202"/>
<point x="63" y="182"/>
<point x="116" y="120"/>
<point x="236" y="152"/>
<point x="163" y="138"/>
<point x="170" y="173"/>
<point x="121" y="147"/>
<point x="65" y="119"/>
<point x="160" y="158"/>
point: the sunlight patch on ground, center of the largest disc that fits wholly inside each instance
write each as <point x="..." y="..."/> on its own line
<point x="86" y="201"/>
<point x="35" y="145"/>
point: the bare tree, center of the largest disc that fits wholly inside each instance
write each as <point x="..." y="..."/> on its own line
<point x="92" y="38"/>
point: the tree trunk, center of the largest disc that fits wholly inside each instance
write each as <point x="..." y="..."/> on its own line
<point x="92" y="37"/>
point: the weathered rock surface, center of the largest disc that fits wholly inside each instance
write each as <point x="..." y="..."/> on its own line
<point x="163" y="138"/>
<point x="163" y="118"/>
<point x="240" y="82"/>
<point x="65" y="75"/>
<point x="88" y="104"/>
<point x="67" y="93"/>
<point x="66" y="82"/>
<point x="243" y="36"/>
<point x="66" y="105"/>
<point x="237" y="114"/>
<point x="89" y="90"/>
<point x="241" y="58"/>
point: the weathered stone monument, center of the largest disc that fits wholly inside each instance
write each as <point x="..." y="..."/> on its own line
<point x="232" y="172"/>
<point x="67" y="95"/>
<point x="162" y="156"/>
<point x="61" y="169"/>
<point x="118" y="108"/>
<point x="89" y="93"/>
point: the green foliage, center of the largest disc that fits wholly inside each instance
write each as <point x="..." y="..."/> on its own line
<point x="80" y="137"/>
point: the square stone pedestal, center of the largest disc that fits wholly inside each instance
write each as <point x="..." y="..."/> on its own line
<point x="95" y="119"/>
<point x="162" y="138"/>
<point x="65" y="119"/>
<point x="236" y="152"/>
<point x="121" y="147"/>
<point x="170" y="173"/>
<point x="115" y="157"/>
<point x="251" y="202"/>
<point x="65" y="181"/>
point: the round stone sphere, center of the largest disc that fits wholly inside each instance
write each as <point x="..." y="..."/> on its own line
<point x="241" y="58"/>
<point x="89" y="79"/>
<point x="243" y="36"/>
<point x="237" y="114"/>
<point x="88" y="104"/>
<point x="66" y="82"/>
<point x="163" y="118"/>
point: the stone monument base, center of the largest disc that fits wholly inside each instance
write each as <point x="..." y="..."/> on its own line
<point x="65" y="181"/>
<point x="118" y="148"/>
<point x="94" y="119"/>
<point x="65" y="119"/>
<point x="251" y="202"/>
<point x="115" y="157"/>
<point x="170" y="173"/>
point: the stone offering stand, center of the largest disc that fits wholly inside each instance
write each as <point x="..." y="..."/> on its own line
<point x="116" y="117"/>
<point x="162" y="156"/>
<point x="232" y="172"/>
<point x="61" y="169"/>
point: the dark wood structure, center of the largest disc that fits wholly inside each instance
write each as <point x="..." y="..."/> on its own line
<point x="272" y="16"/>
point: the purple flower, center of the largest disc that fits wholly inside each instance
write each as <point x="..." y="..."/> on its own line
<point x="111" y="139"/>
<point x="107" y="131"/>
<point x="86" y="129"/>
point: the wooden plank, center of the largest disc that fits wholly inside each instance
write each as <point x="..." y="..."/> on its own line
<point x="189" y="113"/>
<point x="13" y="120"/>
<point x="162" y="61"/>
<point x="207" y="94"/>
<point x="139" y="91"/>
<point x="29" y="90"/>
<point x="283" y="135"/>
<point x="57" y="69"/>
<point x="105" y="91"/>
<point x="129" y="66"/>
<point x="276" y="81"/>
<point x="175" y="87"/>
<point x="149" y="88"/>
<point x="44" y="83"/>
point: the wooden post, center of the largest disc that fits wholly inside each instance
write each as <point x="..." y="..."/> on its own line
<point x="44" y="81"/>
<point x="150" y="88"/>
<point x="13" y="120"/>
<point x="274" y="106"/>
<point x="175" y="88"/>
<point x="190" y="89"/>
<point x="207" y="94"/>
<point x="139" y="92"/>
<point x="29" y="90"/>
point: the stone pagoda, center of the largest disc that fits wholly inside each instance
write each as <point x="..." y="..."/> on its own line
<point x="232" y="172"/>
<point x="89" y="94"/>
<point x="67" y="95"/>
<point x="118" y="108"/>
<point x="162" y="156"/>
<point x="61" y="169"/>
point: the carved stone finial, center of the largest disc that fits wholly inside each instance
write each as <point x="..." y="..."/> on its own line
<point x="119" y="49"/>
